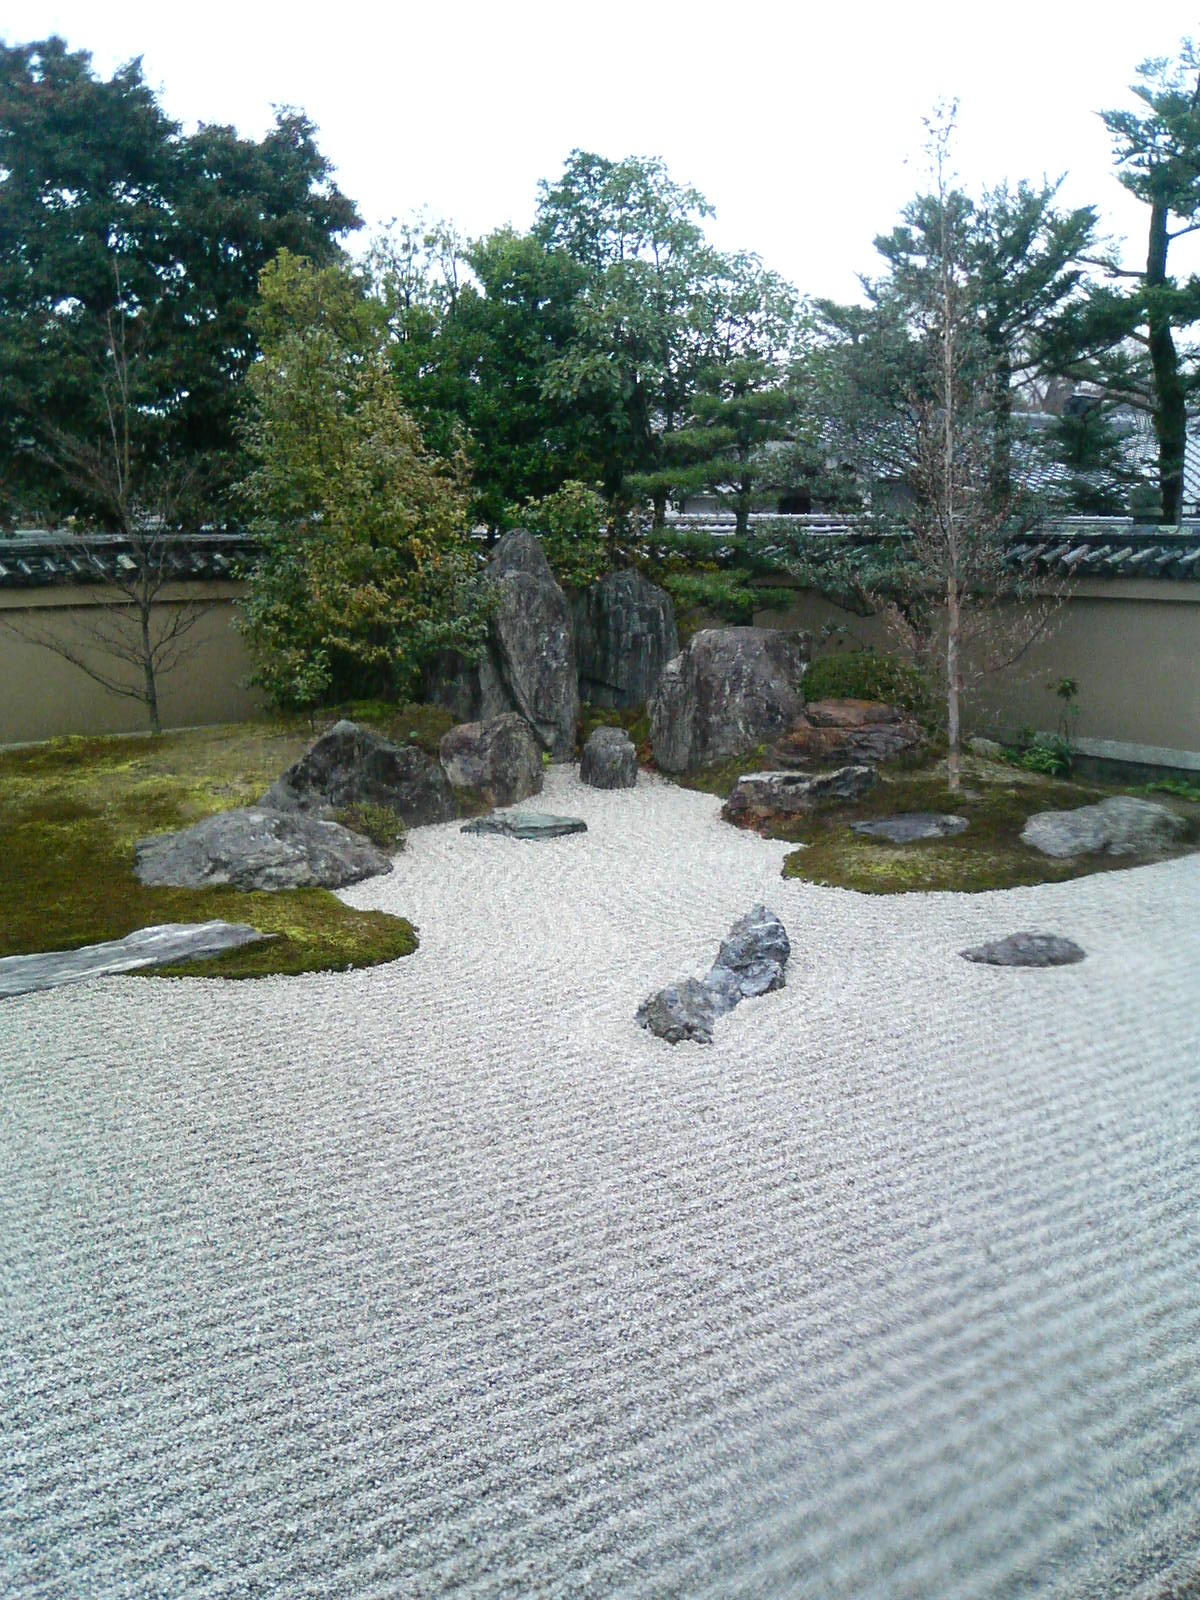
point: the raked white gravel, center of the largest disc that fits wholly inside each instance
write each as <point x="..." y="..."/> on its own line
<point x="445" y="1279"/>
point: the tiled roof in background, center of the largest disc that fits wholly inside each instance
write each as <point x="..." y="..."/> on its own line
<point x="34" y="558"/>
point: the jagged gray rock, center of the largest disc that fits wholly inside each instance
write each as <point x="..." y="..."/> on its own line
<point x="729" y="690"/>
<point x="907" y="827"/>
<point x="1119" y="826"/>
<point x="531" y="644"/>
<point x="609" y="760"/>
<point x="526" y="825"/>
<point x="750" y="961"/>
<point x="759" y="798"/>
<point x="259" y="848"/>
<point x="351" y="765"/>
<point x="625" y="634"/>
<point x="162" y="945"/>
<point x="497" y="759"/>
<point x="1026" y="950"/>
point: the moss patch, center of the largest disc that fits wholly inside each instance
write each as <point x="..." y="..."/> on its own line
<point x="989" y="855"/>
<point x="72" y="811"/>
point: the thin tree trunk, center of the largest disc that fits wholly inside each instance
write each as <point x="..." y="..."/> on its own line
<point x="660" y="508"/>
<point x="953" y="683"/>
<point x="148" y="670"/>
<point x="1170" y="405"/>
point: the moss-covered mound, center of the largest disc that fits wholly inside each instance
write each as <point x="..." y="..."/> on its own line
<point x="72" y="811"/>
<point x="990" y="855"/>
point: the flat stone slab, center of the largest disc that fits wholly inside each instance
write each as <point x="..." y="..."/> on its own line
<point x="157" y="946"/>
<point x="907" y="827"/>
<point x="526" y="825"/>
<point x="257" y="848"/>
<point x="1027" y="950"/>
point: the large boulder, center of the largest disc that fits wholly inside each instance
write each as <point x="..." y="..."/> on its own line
<point x="847" y="733"/>
<point x="351" y="766"/>
<point x="760" y="798"/>
<point x="749" y="962"/>
<point x="1120" y="826"/>
<point x="497" y="759"/>
<point x="624" y="636"/>
<point x="528" y="665"/>
<point x="531" y="647"/>
<point x="609" y="760"/>
<point x="729" y="690"/>
<point x="259" y="848"/>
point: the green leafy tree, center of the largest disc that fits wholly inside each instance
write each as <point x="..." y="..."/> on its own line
<point x="638" y="345"/>
<point x="98" y="186"/>
<point x="366" y="570"/>
<point x="743" y="403"/>
<point x="1124" y="343"/>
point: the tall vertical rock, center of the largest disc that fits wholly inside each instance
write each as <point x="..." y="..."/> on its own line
<point x="624" y="636"/>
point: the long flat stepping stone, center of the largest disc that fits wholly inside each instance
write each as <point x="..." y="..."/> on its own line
<point x="906" y="827"/>
<point x="1027" y="950"/>
<point x="157" y="946"/>
<point x="526" y="825"/>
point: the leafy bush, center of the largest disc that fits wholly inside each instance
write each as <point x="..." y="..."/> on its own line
<point x="377" y="823"/>
<point x="1050" y="754"/>
<point x="570" y="525"/>
<point x="864" y="675"/>
<point x="1180" y="788"/>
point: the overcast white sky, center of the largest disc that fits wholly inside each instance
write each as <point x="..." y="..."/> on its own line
<point x="800" y="123"/>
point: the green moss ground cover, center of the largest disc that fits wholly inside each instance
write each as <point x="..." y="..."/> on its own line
<point x="72" y="811"/>
<point x="989" y="855"/>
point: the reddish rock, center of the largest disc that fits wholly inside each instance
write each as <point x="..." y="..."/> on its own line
<point x="846" y="733"/>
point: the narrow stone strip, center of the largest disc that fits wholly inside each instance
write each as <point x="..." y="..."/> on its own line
<point x="157" y="946"/>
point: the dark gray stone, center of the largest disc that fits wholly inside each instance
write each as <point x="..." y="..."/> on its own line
<point x="526" y="825"/>
<point x="624" y="636"/>
<point x="759" y="798"/>
<point x="259" y="848"/>
<point x="1026" y="950"/>
<point x="1119" y="826"/>
<point x="162" y="945"/>
<point x="909" y="826"/>
<point x="528" y="665"/>
<point x="750" y="962"/>
<point x="609" y="760"/>
<point x="531" y="649"/>
<point x="351" y="766"/>
<point x="729" y="690"/>
<point x="498" y="759"/>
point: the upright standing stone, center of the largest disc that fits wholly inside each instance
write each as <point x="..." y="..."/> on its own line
<point x="609" y="760"/>
<point x="497" y="759"/>
<point x="624" y="636"/>
<point x="532" y="650"/>
<point x="729" y="690"/>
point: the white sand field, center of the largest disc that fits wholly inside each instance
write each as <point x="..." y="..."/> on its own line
<point x="443" y="1278"/>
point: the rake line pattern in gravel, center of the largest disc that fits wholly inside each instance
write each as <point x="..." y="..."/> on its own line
<point x="444" y="1278"/>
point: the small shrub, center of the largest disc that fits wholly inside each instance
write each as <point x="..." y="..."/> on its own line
<point x="863" y="675"/>
<point x="377" y="823"/>
<point x="1180" y="788"/>
<point x="1049" y="754"/>
<point x="570" y="525"/>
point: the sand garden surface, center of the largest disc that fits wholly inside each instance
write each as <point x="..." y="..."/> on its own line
<point x="441" y="1277"/>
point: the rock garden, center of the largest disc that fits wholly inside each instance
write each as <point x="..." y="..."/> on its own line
<point x="254" y="826"/>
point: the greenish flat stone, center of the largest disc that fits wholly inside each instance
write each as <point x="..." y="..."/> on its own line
<point x="526" y="825"/>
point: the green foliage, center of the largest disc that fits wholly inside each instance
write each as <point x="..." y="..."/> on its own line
<point x="107" y="209"/>
<point x="366" y="569"/>
<point x="570" y="524"/>
<point x="723" y="595"/>
<point x="379" y="824"/>
<point x="1048" y="753"/>
<point x="864" y="675"/>
<point x="1181" y="788"/>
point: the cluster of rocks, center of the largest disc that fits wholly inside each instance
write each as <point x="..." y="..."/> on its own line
<point x="292" y="838"/>
<point x="751" y="961"/>
<point x="544" y="652"/>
